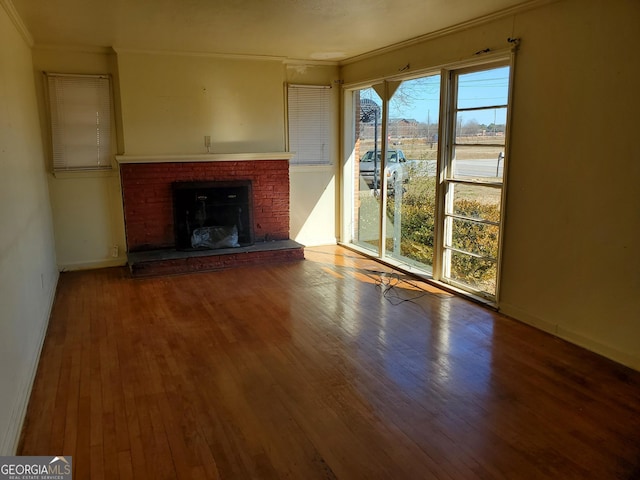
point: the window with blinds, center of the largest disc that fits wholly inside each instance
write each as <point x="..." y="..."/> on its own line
<point x="309" y="110"/>
<point x="80" y="107"/>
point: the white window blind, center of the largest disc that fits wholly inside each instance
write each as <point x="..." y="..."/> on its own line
<point x="80" y="107"/>
<point x="309" y="110"/>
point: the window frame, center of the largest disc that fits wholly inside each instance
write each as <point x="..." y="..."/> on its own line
<point x="313" y="124"/>
<point x="65" y="135"/>
<point x="448" y="179"/>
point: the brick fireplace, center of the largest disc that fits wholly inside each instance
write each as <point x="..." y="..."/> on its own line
<point x="147" y="194"/>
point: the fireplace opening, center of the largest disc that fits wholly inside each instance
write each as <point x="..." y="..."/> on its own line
<point x="212" y="215"/>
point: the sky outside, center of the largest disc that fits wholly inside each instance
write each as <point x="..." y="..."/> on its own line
<point x="419" y="99"/>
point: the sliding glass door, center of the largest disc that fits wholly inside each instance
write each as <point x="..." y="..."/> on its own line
<point x="411" y="170"/>
<point x="425" y="182"/>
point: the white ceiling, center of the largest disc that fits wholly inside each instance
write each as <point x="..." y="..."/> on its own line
<point x="297" y="29"/>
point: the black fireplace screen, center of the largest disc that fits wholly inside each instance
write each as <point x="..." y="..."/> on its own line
<point x="211" y="215"/>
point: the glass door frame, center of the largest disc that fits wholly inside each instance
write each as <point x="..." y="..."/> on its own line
<point x="348" y="183"/>
<point x="447" y="180"/>
<point x="445" y="143"/>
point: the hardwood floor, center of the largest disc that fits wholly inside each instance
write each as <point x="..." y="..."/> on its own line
<point x="318" y="369"/>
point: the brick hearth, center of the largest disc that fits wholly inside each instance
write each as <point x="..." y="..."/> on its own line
<point x="171" y="262"/>
<point x="149" y="220"/>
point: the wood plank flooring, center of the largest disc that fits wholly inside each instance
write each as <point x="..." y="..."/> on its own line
<point x="330" y="368"/>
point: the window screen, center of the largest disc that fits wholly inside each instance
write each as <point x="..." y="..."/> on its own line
<point x="309" y="124"/>
<point x="80" y="107"/>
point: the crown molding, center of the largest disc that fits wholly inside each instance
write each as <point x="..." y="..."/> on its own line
<point x="230" y="56"/>
<point x="74" y="48"/>
<point x="299" y="62"/>
<point x="17" y="21"/>
<point x="460" y="27"/>
<point x="204" y="157"/>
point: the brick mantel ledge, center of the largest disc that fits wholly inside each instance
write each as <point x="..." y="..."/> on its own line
<point x="204" y="157"/>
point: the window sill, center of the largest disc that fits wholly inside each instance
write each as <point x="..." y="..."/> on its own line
<point x="67" y="174"/>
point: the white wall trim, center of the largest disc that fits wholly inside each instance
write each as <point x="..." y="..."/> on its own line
<point x="624" y="358"/>
<point x="17" y="21"/>
<point x="302" y="63"/>
<point x="9" y="444"/>
<point x="451" y="30"/>
<point x="115" y="262"/>
<point x="319" y="242"/>
<point x="228" y="56"/>
<point x="92" y="49"/>
<point x="224" y="56"/>
<point x="204" y="157"/>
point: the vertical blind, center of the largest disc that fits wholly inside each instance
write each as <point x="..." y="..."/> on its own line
<point x="80" y="107"/>
<point x="309" y="110"/>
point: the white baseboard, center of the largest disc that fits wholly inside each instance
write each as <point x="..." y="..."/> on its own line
<point x="317" y="242"/>
<point x="110" y="262"/>
<point x="624" y="358"/>
<point x="9" y="444"/>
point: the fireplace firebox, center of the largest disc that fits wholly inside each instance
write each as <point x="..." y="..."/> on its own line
<point x="212" y="214"/>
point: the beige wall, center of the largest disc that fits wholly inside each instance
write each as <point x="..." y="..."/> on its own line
<point x="573" y="204"/>
<point x="170" y="102"/>
<point x="573" y="209"/>
<point x="28" y="274"/>
<point x="87" y="206"/>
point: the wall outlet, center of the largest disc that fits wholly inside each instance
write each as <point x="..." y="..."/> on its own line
<point x="114" y="251"/>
